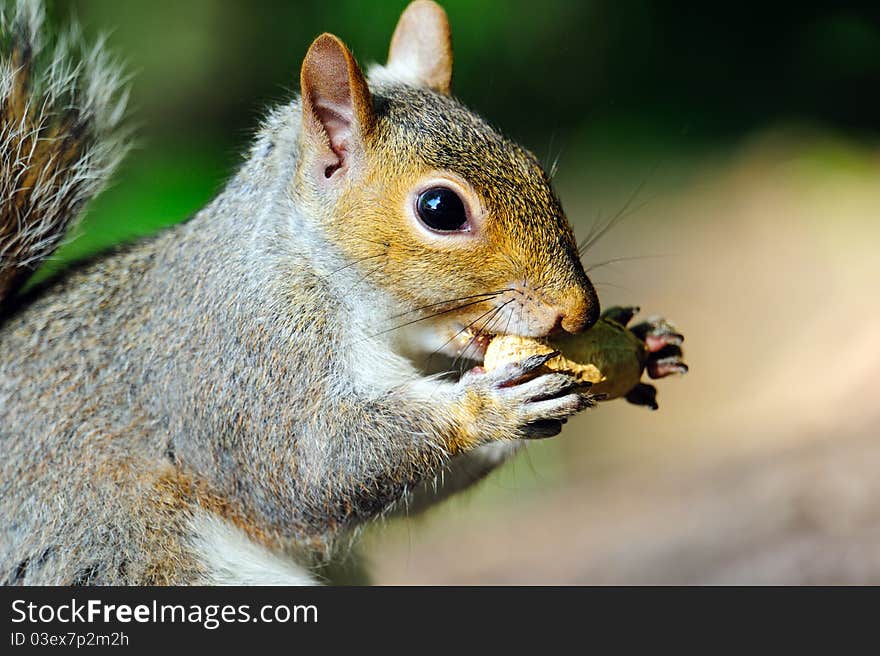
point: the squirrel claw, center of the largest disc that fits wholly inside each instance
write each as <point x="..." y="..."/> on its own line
<point x="663" y="344"/>
<point x="514" y="373"/>
<point x="523" y="400"/>
<point x="656" y="326"/>
<point x="657" y="341"/>
<point x="666" y="367"/>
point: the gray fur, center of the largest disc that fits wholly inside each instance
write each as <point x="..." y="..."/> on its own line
<point x="198" y="350"/>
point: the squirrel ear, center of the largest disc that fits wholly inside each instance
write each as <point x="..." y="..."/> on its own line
<point x="337" y="108"/>
<point x="421" y="48"/>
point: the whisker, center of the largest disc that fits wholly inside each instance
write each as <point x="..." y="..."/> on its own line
<point x="597" y="283"/>
<point x="614" y="220"/>
<point x="593" y="228"/>
<point x="452" y="300"/>
<point x="373" y="241"/>
<point x="623" y="212"/>
<point x="474" y="336"/>
<point x="552" y="160"/>
<point x="430" y="316"/>
<point x="615" y="260"/>
<point x="366" y="275"/>
<point x="467" y="327"/>
<point x="485" y="328"/>
<point x="360" y="259"/>
<point x="507" y="325"/>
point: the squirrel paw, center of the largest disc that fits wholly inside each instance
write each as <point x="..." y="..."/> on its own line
<point x="663" y="345"/>
<point x="663" y="342"/>
<point x="520" y="401"/>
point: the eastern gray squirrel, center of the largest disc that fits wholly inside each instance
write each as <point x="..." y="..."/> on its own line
<point x="228" y="401"/>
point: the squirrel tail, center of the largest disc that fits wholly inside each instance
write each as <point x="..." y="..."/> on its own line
<point x="60" y="136"/>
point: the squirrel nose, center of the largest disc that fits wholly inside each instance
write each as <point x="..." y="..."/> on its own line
<point x="579" y="309"/>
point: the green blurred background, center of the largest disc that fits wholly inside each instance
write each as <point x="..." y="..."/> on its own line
<point x="750" y="132"/>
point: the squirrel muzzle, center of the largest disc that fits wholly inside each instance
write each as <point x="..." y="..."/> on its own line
<point x="578" y="307"/>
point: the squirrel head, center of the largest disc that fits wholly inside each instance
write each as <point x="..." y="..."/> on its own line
<point x="459" y="225"/>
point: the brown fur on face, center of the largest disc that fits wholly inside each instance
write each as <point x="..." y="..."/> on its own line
<point x="523" y="248"/>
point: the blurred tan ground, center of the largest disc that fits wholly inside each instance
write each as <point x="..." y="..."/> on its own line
<point x="763" y="463"/>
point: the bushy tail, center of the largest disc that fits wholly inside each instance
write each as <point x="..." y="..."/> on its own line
<point x="60" y="138"/>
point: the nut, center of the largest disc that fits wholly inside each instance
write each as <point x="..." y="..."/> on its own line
<point x="607" y="355"/>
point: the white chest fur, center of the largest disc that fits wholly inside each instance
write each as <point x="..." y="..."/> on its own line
<point x="230" y="557"/>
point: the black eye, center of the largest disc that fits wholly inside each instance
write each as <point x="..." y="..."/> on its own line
<point x="440" y="208"/>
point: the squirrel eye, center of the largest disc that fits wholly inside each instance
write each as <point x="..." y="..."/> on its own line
<point x="441" y="209"/>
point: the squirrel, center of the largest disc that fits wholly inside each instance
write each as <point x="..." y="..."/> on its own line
<point x="230" y="400"/>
